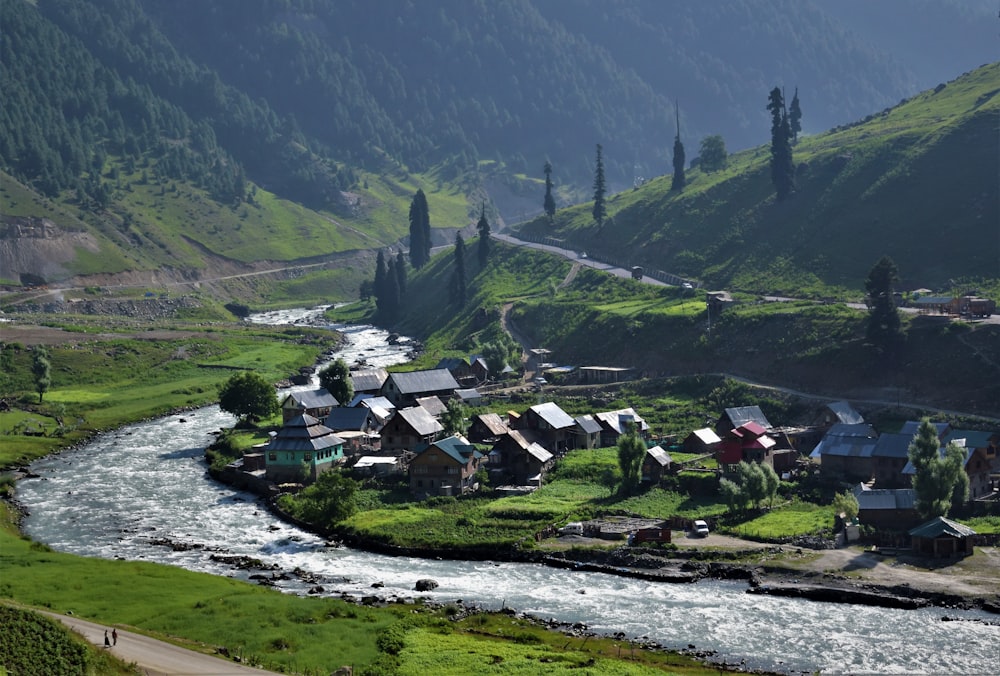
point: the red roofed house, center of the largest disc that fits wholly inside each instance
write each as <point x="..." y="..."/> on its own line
<point x="746" y="442"/>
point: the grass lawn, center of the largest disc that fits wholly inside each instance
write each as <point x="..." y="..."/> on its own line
<point x="795" y="518"/>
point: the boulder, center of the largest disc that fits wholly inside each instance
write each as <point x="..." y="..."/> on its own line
<point x="426" y="585"/>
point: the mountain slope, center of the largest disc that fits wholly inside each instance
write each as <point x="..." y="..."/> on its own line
<point x="917" y="182"/>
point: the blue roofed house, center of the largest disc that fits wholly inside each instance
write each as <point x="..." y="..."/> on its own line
<point x="358" y="426"/>
<point x="403" y="389"/>
<point x="445" y="467"/>
<point x="891" y="453"/>
<point x="316" y="403"/>
<point x="845" y="452"/>
<point x="301" y="450"/>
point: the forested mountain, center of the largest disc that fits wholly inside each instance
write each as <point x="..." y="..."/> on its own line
<point x="346" y="107"/>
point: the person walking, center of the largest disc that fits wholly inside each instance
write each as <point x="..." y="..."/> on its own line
<point x="114" y="636"/>
<point x="107" y="641"/>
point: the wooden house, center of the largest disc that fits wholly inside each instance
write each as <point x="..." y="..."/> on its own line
<point x="523" y="461"/>
<point x="614" y="423"/>
<point x="976" y="466"/>
<point x="586" y="432"/>
<point x="551" y="423"/>
<point x="403" y="389"/>
<point x="747" y="442"/>
<point x="316" y="403"/>
<point x="409" y="429"/>
<point x="368" y="381"/>
<point x="733" y="417"/>
<point x="486" y="427"/>
<point x="837" y="412"/>
<point x="702" y="442"/>
<point x="301" y="450"/>
<point x="845" y="452"/>
<point x="655" y="464"/>
<point x="889" y="457"/>
<point x="358" y="426"/>
<point x="432" y="405"/>
<point x="941" y="537"/>
<point x="445" y="467"/>
<point x="889" y="509"/>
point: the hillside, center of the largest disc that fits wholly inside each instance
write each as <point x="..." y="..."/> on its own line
<point x="917" y="182"/>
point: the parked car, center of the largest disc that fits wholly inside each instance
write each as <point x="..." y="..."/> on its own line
<point x="572" y="528"/>
<point x="699" y="528"/>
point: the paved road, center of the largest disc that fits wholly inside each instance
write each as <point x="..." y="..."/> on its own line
<point x="158" y="658"/>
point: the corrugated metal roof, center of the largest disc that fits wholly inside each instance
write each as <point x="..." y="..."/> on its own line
<point x="614" y="419"/>
<point x="357" y="418"/>
<point x="885" y="498"/>
<point x="553" y="415"/>
<point x="422" y="422"/>
<point x="313" y="399"/>
<point x="303" y="433"/>
<point x="910" y="469"/>
<point x="539" y="452"/>
<point x="368" y="380"/>
<point x="939" y="526"/>
<point x="455" y="447"/>
<point x="659" y="455"/>
<point x="433" y="405"/>
<point x="493" y="422"/>
<point x="415" y="382"/>
<point x="973" y="438"/>
<point x="707" y="436"/>
<point x="891" y="445"/>
<point x="911" y="426"/>
<point x="739" y="415"/>
<point x="845" y="413"/>
<point x="587" y="424"/>
<point x="863" y="430"/>
<point x="844" y="446"/>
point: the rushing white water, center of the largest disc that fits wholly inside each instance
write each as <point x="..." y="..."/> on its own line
<point x="133" y="492"/>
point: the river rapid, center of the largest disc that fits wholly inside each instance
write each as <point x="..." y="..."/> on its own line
<point x="135" y="492"/>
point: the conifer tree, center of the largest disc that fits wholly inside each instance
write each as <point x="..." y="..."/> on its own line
<point x="782" y="167"/>
<point x="483" y="249"/>
<point x="420" y="230"/>
<point x="599" y="211"/>
<point x="939" y="480"/>
<point x="379" y="285"/>
<point x="795" y="117"/>
<point x="41" y="369"/>
<point x="401" y="273"/>
<point x="458" y="275"/>
<point x="550" y="201"/>
<point x="389" y="308"/>
<point x="678" y="182"/>
<point x="883" y="330"/>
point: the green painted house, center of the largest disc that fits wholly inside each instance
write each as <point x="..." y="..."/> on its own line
<point x="301" y="450"/>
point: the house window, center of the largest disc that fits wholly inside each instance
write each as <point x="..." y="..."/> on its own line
<point x="309" y="456"/>
<point x="273" y="457"/>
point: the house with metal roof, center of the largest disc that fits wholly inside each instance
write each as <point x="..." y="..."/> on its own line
<point x="551" y="423"/>
<point x="890" y="509"/>
<point x="748" y="442"/>
<point x="586" y="432"/>
<point x="976" y="465"/>
<point x="445" y="467"/>
<point x="301" y="450"/>
<point x="614" y="423"/>
<point x="845" y="452"/>
<point x="368" y="381"/>
<point x="655" y="464"/>
<point x="702" y="442"/>
<point x="403" y="389"/>
<point x="519" y="458"/>
<point x="941" y="537"/>
<point x="838" y="412"/>
<point x="316" y="403"/>
<point x="889" y="457"/>
<point x="733" y="417"/>
<point x="911" y="427"/>
<point x="486" y="427"/>
<point x="358" y="426"/>
<point x="409" y="429"/>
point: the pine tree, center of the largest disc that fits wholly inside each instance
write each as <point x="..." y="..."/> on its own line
<point x="458" y="275"/>
<point x="420" y="230"/>
<point x="782" y="166"/>
<point x="600" y="211"/>
<point x="883" y="330"/>
<point x="795" y="117"/>
<point x="483" y="227"/>
<point x="389" y="309"/>
<point x="41" y="369"/>
<point x="939" y="479"/>
<point x="401" y="273"/>
<point x="550" y="201"/>
<point x="679" y="180"/>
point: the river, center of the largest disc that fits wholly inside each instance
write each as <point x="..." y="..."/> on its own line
<point x="130" y="493"/>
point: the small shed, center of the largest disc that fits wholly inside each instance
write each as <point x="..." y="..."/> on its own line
<point x="941" y="537"/>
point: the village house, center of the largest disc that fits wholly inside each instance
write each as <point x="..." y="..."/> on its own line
<point x="889" y="457"/>
<point x="410" y="428"/>
<point x="702" y="442"/>
<point x="614" y="423"/>
<point x="432" y="405"/>
<point x="316" y="403"/>
<point x="655" y="464"/>
<point x="359" y="427"/>
<point x="469" y="396"/>
<point x="517" y="457"/>
<point x="845" y="452"/>
<point x="376" y="465"/>
<point x="890" y="509"/>
<point x="976" y="466"/>
<point x="586" y="432"/>
<point x="368" y="381"/>
<point x="486" y="427"/>
<point x="380" y="406"/>
<point x="403" y="389"/>
<point x="468" y="372"/>
<point x="552" y="424"/>
<point x="733" y="417"/>
<point x="445" y="467"/>
<point x="748" y="442"/>
<point x="837" y="413"/>
<point x="301" y="450"/>
<point x="941" y="537"/>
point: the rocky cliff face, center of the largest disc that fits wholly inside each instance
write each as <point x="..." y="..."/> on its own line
<point x="37" y="251"/>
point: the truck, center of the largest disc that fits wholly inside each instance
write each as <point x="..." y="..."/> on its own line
<point x="637" y="272"/>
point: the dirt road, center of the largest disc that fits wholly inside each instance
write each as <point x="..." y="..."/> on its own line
<point x="157" y="658"/>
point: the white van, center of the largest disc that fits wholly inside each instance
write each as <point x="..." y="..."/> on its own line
<point x="572" y="528"/>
